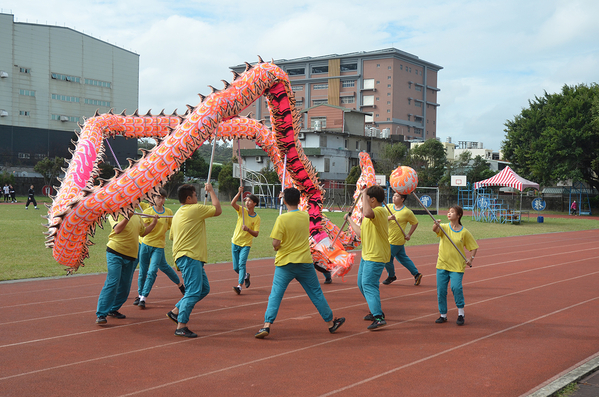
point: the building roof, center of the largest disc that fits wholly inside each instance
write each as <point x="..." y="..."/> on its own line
<point x="508" y="178"/>
<point x="363" y="54"/>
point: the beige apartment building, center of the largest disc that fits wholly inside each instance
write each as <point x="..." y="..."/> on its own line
<point x="397" y="89"/>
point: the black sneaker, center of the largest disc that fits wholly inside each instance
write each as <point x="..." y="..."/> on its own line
<point x="101" y="320"/>
<point x="460" y="320"/>
<point x="136" y="301"/>
<point x="237" y="290"/>
<point x="142" y="304"/>
<point x="328" y="281"/>
<point x="370" y="317"/>
<point x="377" y="323"/>
<point x="417" y="279"/>
<point x="441" y="320"/>
<point x="338" y="322"/>
<point x="117" y="314"/>
<point x="247" y="280"/>
<point x="262" y="333"/>
<point x="185" y="332"/>
<point x="182" y="289"/>
<point x="173" y="316"/>
<point x="389" y="280"/>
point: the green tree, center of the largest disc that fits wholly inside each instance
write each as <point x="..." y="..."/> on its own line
<point x="479" y="170"/>
<point x="49" y="168"/>
<point x="354" y="175"/>
<point x="391" y="157"/>
<point x="173" y="183"/>
<point x="106" y="171"/>
<point x="226" y="183"/>
<point x="428" y="160"/>
<point x="557" y="137"/>
<point x="458" y="166"/>
<point x="196" y="166"/>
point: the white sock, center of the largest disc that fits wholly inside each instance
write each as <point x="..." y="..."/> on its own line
<point x="444" y="315"/>
<point x="461" y="312"/>
<point x="142" y="298"/>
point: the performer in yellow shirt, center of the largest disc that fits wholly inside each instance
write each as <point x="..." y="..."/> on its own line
<point x="403" y="215"/>
<point x="151" y="251"/>
<point x="190" y="252"/>
<point x="450" y="264"/>
<point x="291" y="240"/>
<point x="376" y="252"/>
<point x="121" y="261"/>
<point x="247" y="227"/>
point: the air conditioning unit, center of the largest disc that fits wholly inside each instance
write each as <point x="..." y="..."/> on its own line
<point x="3" y="113"/>
<point x="258" y="159"/>
<point x="301" y="135"/>
<point x="3" y="74"/>
<point x="64" y="118"/>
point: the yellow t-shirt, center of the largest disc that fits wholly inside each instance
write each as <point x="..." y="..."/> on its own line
<point x="127" y="241"/>
<point x="241" y="238"/>
<point x="449" y="258"/>
<point x="375" y="237"/>
<point x="156" y="238"/>
<point x="188" y="231"/>
<point x="293" y="229"/>
<point x="404" y="215"/>
<point x="144" y="206"/>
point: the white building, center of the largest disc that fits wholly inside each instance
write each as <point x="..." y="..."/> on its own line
<point x="50" y="78"/>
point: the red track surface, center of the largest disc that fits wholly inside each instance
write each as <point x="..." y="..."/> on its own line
<point x="531" y="313"/>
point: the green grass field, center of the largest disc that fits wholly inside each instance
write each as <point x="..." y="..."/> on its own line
<point x="25" y="256"/>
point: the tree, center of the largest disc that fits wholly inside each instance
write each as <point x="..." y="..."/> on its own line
<point x="391" y="157"/>
<point x="479" y="170"/>
<point x="196" y="166"/>
<point x="557" y="137"/>
<point x="50" y="169"/>
<point x="226" y="183"/>
<point x="458" y="166"/>
<point x="354" y="175"/>
<point x="428" y="160"/>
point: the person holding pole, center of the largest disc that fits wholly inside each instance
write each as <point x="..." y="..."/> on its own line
<point x="248" y="227"/>
<point x="291" y="240"/>
<point x="403" y="215"/>
<point x="376" y="252"/>
<point x="190" y="251"/>
<point x="450" y="264"/>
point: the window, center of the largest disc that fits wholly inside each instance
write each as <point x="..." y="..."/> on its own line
<point x="349" y="67"/>
<point x="377" y="98"/>
<point x="327" y="164"/>
<point x="23" y="112"/>
<point x="24" y="70"/>
<point x="96" y="102"/>
<point x="378" y="82"/>
<point x="321" y="120"/>
<point x="299" y="104"/>
<point x="320" y="86"/>
<point x="27" y="92"/>
<point x="348" y="84"/>
<point x="358" y="143"/>
<point x="388" y="94"/>
<point x="98" y="83"/>
<point x="388" y="67"/>
<point x="388" y="102"/>
<point x="409" y="117"/>
<point x="417" y="88"/>
<point x="368" y="119"/>
<point x="368" y="100"/>
<point x="58" y="117"/>
<point x="410" y="70"/>
<point x="296" y="71"/>
<point x="378" y="115"/>
<point x="348" y="99"/>
<point x="297" y="87"/>
<point x="388" y="110"/>
<point x="418" y="104"/>
<point x="378" y="65"/>
<point x="24" y="155"/>
<point x="317" y="102"/>
<point x="66" y="98"/>
<point x="409" y="101"/>
<point x="388" y="85"/>
<point x="368" y="84"/>
<point x="320" y="69"/>
<point x="39" y="156"/>
<point x="64" y="77"/>
<point x="409" y="84"/>
<point x="388" y="77"/>
<point x="388" y="119"/>
<point x="346" y="143"/>
<point x="400" y="67"/>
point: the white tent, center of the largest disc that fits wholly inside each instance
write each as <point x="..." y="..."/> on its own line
<point x="507" y="177"/>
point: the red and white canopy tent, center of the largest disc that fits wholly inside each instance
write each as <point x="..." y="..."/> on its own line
<point x="507" y="178"/>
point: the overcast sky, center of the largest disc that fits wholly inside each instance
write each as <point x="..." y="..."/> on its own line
<point x="496" y="55"/>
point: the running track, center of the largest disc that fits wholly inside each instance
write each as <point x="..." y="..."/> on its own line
<point x="531" y="314"/>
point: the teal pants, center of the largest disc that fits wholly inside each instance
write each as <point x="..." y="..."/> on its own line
<point x="196" y="286"/>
